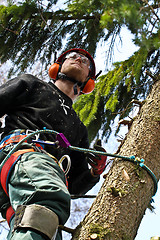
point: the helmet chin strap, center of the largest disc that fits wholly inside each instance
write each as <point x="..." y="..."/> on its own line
<point x="76" y="83"/>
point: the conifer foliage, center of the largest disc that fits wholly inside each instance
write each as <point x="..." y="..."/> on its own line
<point x="34" y="30"/>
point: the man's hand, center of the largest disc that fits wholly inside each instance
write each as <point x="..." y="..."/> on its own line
<point x="98" y="162"/>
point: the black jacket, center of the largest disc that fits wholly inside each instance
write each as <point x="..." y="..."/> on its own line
<point x="30" y="103"/>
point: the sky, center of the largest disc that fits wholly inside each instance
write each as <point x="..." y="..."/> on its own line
<point x="149" y="226"/>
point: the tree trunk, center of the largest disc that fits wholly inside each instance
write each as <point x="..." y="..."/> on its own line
<point x="127" y="190"/>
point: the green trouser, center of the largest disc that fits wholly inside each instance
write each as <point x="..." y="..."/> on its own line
<point x="37" y="179"/>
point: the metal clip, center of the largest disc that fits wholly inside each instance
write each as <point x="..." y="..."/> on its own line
<point x="28" y="131"/>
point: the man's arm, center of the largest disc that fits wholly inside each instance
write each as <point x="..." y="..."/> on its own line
<point x="81" y="178"/>
<point x="14" y="92"/>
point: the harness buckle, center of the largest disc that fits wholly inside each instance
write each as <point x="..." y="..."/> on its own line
<point x="28" y="131"/>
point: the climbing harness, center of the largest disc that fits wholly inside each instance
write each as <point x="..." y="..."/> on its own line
<point x="4" y="177"/>
<point x="8" y="166"/>
<point x="15" y="154"/>
<point x="19" y="135"/>
<point x="61" y="141"/>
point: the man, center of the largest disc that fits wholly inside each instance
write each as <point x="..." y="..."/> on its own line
<point x="35" y="198"/>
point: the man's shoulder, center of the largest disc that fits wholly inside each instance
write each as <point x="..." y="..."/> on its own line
<point x="28" y="77"/>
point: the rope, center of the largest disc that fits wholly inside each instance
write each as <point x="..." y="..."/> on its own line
<point x="132" y="159"/>
<point x="16" y="147"/>
<point x="63" y="142"/>
<point x="64" y="157"/>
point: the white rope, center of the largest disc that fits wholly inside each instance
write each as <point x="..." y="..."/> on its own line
<point x="68" y="163"/>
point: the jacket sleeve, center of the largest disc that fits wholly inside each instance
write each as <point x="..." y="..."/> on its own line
<point x="83" y="183"/>
<point x="13" y="93"/>
<point x="80" y="179"/>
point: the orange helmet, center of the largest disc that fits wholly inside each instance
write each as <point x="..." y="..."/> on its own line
<point x="55" y="68"/>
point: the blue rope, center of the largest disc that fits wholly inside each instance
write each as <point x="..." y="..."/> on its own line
<point x="16" y="147"/>
<point x="131" y="159"/>
<point x="64" y="143"/>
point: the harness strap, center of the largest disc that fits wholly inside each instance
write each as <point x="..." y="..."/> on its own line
<point x="8" y="166"/>
<point x="9" y="214"/>
<point x="15" y="139"/>
<point x="12" y="139"/>
<point x="4" y="177"/>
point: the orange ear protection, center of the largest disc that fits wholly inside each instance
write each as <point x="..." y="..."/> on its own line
<point x="89" y="86"/>
<point x="55" y="68"/>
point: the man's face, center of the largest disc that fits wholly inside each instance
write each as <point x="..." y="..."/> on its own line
<point x="76" y="66"/>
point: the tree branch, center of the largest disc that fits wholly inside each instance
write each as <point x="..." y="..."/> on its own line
<point x="66" y="229"/>
<point x="3" y="220"/>
<point x="152" y="8"/>
<point x="43" y="19"/>
<point x="7" y="29"/>
<point x="153" y="77"/>
<point x="63" y="15"/>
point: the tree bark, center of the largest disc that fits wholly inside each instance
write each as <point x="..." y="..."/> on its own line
<point x="127" y="190"/>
